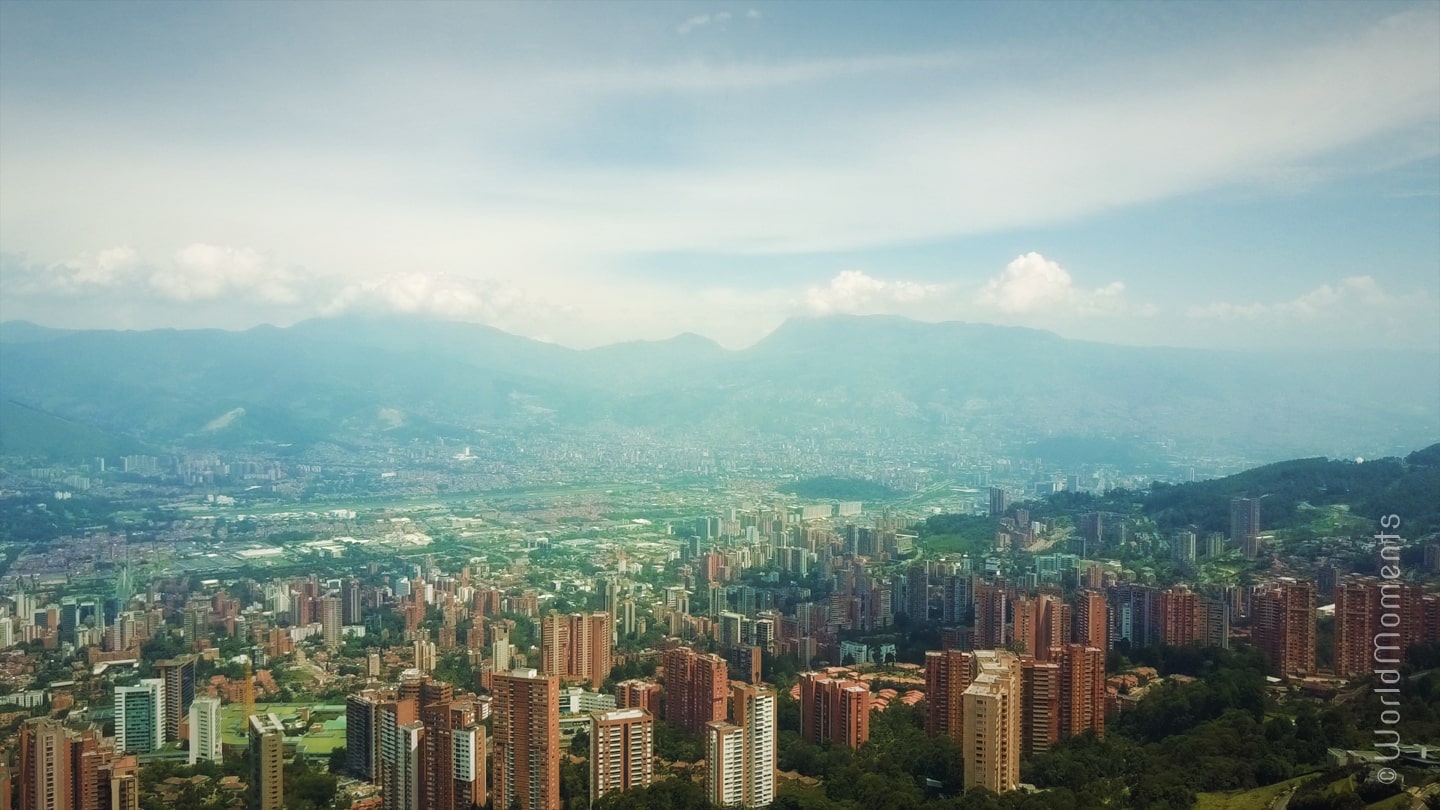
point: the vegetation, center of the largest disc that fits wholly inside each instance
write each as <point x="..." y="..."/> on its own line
<point x="829" y="487"/>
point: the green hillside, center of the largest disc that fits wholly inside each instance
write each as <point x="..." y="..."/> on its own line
<point x="30" y="433"/>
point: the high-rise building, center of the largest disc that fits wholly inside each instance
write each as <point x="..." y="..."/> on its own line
<point x="1091" y="620"/>
<point x="500" y="648"/>
<point x="267" y="763"/>
<point x="179" y="677"/>
<point x="990" y="745"/>
<point x="1183" y="547"/>
<point x="753" y="710"/>
<point x="576" y="646"/>
<point x="362" y="736"/>
<point x="696" y="688"/>
<point x="1134" y="615"/>
<point x="1179" y="616"/>
<point x="45" y="768"/>
<point x="405" y="775"/>
<point x="1361" y="605"/>
<point x="139" y="721"/>
<point x="638" y="694"/>
<point x="724" y="764"/>
<point x="468" y="765"/>
<point x="622" y="750"/>
<point x="527" y="740"/>
<point x="124" y="785"/>
<point x="1245" y="525"/>
<point x="947" y="674"/>
<point x="1040" y="705"/>
<point x="1082" y="690"/>
<point x="917" y="602"/>
<point x="399" y="752"/>
<point x="1283" y="627"/>
<point x="332" y="621"/>
<point x="351" y="602"/>
<point x="999" y="501"/>
<point x="205" y="729"/>
<point x="834" y="710"/>
<point x="991" y="610"/>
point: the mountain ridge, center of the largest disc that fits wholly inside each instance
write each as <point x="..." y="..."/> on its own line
<point x="856" y="375"/>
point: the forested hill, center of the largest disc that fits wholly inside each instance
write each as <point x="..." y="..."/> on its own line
<point x="1408" y="487"/>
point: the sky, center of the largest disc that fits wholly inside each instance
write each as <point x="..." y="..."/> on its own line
<point x="1189" y="174"/>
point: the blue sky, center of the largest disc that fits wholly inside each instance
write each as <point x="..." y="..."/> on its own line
<point x="1208" y="174"/>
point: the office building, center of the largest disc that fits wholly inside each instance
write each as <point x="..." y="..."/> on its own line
<point x="527" y="740"/>
<point x="362" y="736"/>
<point x="999" y="501"/>
<point x="267" y="763"/>
<point x="205" y="730"/>
<point x="1245" y="525"/>
<point x="139" y="722"/>
<point x="179" y="677"/>
<point x="622" y="750"/>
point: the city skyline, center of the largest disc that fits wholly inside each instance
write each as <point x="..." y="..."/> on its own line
<point x="1155" y="175"/>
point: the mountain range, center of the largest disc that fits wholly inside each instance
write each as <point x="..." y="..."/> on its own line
<point x="392" y="379"/>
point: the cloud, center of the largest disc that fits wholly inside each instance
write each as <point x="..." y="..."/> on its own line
<point x="702" y="20"/>
<point x="446" y="296"/>
<point x="1034" y="284"/>
<point x="201" y="272"/>
<point x="1348" y="296"/>
<point x="85" y="274"/>
<point x="1355" y="311"/>
<point x="852" y="291"/>
<point x="752" y="14"/>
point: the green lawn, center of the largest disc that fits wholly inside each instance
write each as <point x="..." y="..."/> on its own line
<point x="1257" y="799"/>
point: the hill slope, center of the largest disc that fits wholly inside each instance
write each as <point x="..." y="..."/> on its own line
<point x="879" y="378"/>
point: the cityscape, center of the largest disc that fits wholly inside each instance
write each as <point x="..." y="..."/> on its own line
<point x="695" y="405"/>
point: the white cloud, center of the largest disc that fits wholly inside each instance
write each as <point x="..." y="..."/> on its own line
<point x="201" y="272"/>
<point x="702" y="20"/>
<point x="1355" y="311"/>
<point x="1033" y="284"/>
<point x="1347" y="297"/>
<point x="752" y="14"/>
<point x="449" y="297"/>
<point x="852" y="291"/>
<point x="85" y="274"/>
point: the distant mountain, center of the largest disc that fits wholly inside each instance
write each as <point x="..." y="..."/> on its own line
<point x="353" y="379"/>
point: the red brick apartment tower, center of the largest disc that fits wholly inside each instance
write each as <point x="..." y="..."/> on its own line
<point x="947" y="674"/>
<point x="696" y="689"/>
<point x="1284" y="627"/>
<point x="527" y="741"/>
<point x="1091" y="624"/>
